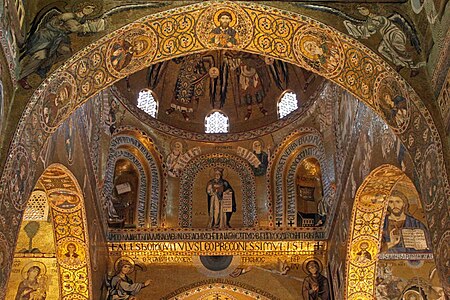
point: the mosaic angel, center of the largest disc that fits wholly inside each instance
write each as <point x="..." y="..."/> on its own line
<point x="397" y="34"/>
<point x="121" y="286"/>
<point x="49" y="40"/>
<point x="394" y="42"/>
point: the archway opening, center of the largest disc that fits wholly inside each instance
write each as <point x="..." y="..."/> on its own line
<point x="389" y="251"/>
<point x="51" y="260"/>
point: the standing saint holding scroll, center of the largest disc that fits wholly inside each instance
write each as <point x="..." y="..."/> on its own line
<point x="221" y="201"/>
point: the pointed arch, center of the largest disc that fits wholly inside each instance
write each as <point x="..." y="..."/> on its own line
<point x="65" y="199"/>
<point x="347" y="62"/>
<point x="369" y="209"/>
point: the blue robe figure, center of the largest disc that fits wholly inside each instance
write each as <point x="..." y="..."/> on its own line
<point x="396" y="221"/>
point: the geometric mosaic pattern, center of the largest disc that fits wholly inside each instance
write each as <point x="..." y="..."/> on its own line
<point x="70" y="227"/>
<point x="304" y="143"/>
<point x="263" y="30"/>
<point x="37" y="207"/>
<point x="123" y="144"/>
<point x="369" y="210"/>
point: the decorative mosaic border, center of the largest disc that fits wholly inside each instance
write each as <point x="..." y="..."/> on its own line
<point x="291" y="199"/>
<point x="70" y="226"/>
<point x="366" y="227"/>
<point x="203" y="162"/>
<point x="155" y="177"/>
<point x="224" y="284"/>
<point x="289" y="147"/>
<point x="269" y="31"/>
<point x="190" y="234"/>
<point x="8" y="55"/>
<point x="142" y="188"/>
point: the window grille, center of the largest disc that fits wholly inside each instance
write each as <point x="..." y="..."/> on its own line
<point x="287" y="104"/>
<point x="217" y="122"/>
<point x="147" y="102"/>
<point x="37" y="207"/>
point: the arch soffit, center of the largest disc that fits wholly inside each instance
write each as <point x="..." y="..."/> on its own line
<point x="369" y="209"/>
<point x="302" y="143"/>
<point x="70" y="227"/>
<point x="347" y="63"/>
<point x="138" y="145"/>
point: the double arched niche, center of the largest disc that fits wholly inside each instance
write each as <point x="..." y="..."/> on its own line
<point x="134" y="187"/>
<point x="347" y="63"/>
<point x="299" y="192"/>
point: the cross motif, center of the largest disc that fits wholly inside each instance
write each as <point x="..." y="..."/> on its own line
<point x="279" y="223"/>
<point x="291" y="223"/>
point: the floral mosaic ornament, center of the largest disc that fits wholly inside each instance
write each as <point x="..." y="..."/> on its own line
<point x="70" y="226"/>
<point x="365" y="231"/>
<point x="360" y="81"/>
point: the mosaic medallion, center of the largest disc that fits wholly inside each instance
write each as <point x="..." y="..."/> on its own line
<point x="132" y="49"/>
<point x="320" y="50"/>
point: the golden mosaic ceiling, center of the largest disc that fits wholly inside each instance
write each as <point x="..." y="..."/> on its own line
<point x="246" y="87"/>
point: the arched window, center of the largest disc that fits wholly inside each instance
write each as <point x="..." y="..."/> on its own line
<point x="37" y="207"/>
<point x="217" y="122"/>
<point x="287" y="104"/>
<point x="147" y="102"/>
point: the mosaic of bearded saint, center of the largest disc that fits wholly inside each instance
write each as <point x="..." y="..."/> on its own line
<point x="189" y="86"/>
<point x="224" y="35"/>
<point x="221" y="200"/>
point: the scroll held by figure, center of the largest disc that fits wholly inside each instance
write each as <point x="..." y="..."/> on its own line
<point x="121" y="286"/>
<point x="221" y="201"/>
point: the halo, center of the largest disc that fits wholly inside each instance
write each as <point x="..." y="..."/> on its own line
<point x="224" y="174"/>
<point x="307" y="38"/>
<point x="305" y="263"/>
<point x="38" y="264"/>
<point x="410" y="293"/>
<point x="183" y="143"/>
<point x="263" y="145"/>
<point x="80" y="4"/>
<point x="128" y="259"/>
<point x="146" y="42"/>
<point x="219" y="11"/>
